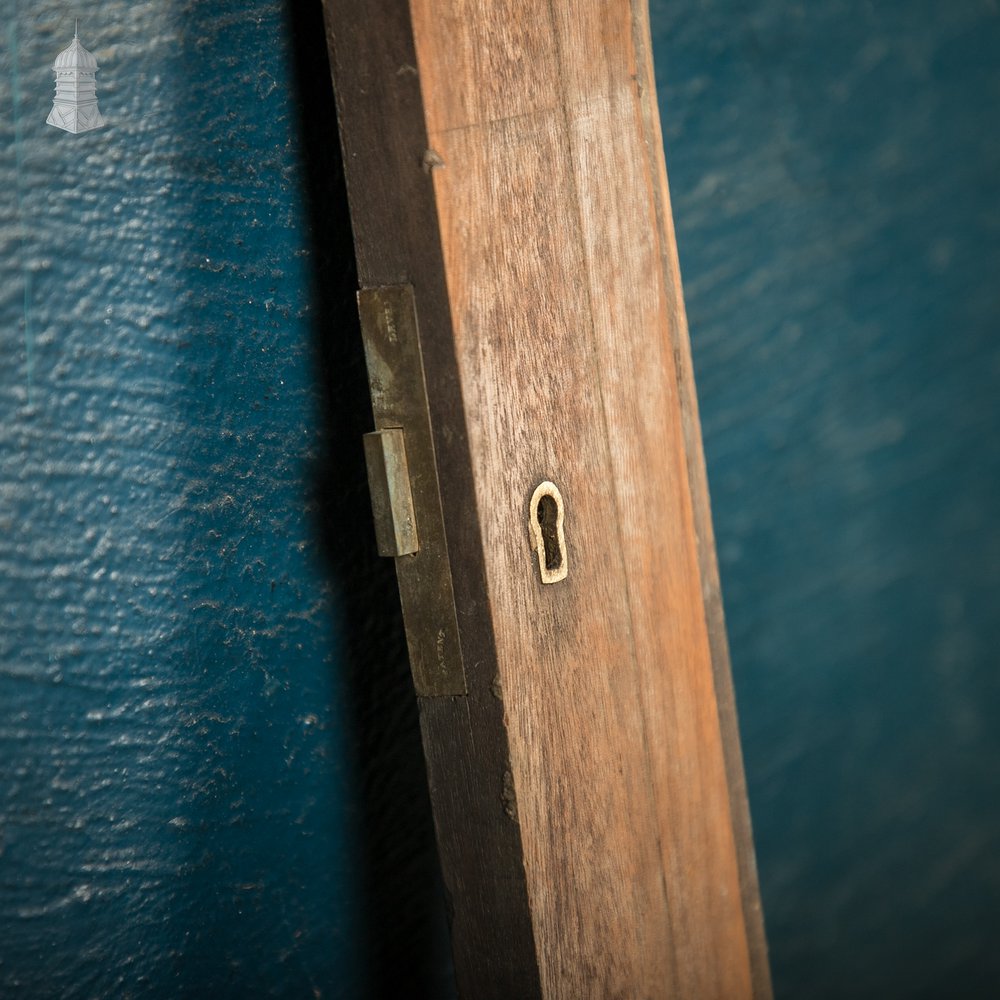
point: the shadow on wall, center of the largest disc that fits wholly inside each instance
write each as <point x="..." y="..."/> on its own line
<point x="405" y="938"/>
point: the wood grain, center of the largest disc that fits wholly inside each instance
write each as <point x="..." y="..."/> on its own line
<point x="680" y="343"/>
<point x="560" y="322"/>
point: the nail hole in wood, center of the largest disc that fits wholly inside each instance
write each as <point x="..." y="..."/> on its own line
<point x="546" y="516"/>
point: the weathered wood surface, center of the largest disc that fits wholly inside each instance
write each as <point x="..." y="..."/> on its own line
<point x="505" y="160"/>
<point x="704" y="534"/>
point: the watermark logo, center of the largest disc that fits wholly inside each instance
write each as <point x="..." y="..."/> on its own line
<point x="75" y="106"/>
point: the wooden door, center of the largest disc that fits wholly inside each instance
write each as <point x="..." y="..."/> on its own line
<point x="511" y="216"/>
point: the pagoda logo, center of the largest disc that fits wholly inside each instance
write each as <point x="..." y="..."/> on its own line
<point x="75" y="106"/>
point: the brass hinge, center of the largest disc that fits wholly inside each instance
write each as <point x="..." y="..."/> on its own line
<point x="406" y="497"/>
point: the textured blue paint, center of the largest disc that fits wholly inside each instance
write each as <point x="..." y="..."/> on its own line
<point x="186" y="618"/>
<point x="835" y="171"/>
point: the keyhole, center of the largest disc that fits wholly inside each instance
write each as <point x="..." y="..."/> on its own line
<point x="546" y="526"/>
<point x="548" y="518"/>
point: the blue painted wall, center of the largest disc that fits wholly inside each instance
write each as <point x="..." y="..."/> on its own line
<point x="210" y="778"/>
<point x="210" y="771"/>
<point x="835" y="171"/>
